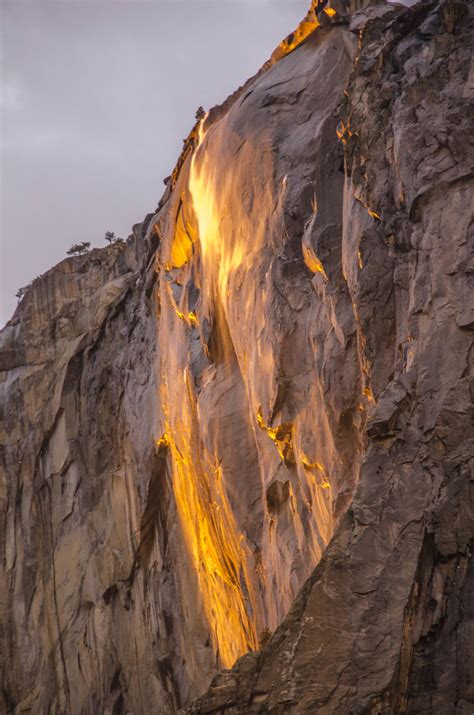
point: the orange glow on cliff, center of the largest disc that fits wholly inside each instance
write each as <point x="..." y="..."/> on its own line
<point x="220" y="260"/>
<point x="217" y="551"/>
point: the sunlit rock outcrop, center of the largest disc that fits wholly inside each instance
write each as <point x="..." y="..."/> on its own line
<point x="385" y="622"/>
<point x="272" y="375"/>
<point x="264" y="448"/>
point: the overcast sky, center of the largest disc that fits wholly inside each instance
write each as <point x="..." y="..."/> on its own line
<point x="96" y="98"/>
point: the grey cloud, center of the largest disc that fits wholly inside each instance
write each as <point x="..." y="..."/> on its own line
<point x="98" y="96"/>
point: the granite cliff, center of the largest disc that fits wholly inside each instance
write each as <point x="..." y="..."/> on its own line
<point x="256" y="415"/>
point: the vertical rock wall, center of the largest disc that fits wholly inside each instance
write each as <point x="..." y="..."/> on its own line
<point x="185" y="418"/>
<point x="260" y="378"/>
<point x="385" y="622"/>
<point x="181" y="415"/>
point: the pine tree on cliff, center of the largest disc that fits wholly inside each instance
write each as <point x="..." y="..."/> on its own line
<point x="22" y="291"/>
<point x="78" y="249"/>
<point x="111" y="238"/>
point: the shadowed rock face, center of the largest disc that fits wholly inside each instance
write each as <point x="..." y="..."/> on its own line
<point x="272" y="374"/>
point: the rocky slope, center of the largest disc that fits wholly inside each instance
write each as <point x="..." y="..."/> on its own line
<point x="273" y="374"/>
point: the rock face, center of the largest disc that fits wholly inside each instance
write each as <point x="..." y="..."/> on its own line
<point x="385" y="624"/>
<point x="273" y="374"/>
